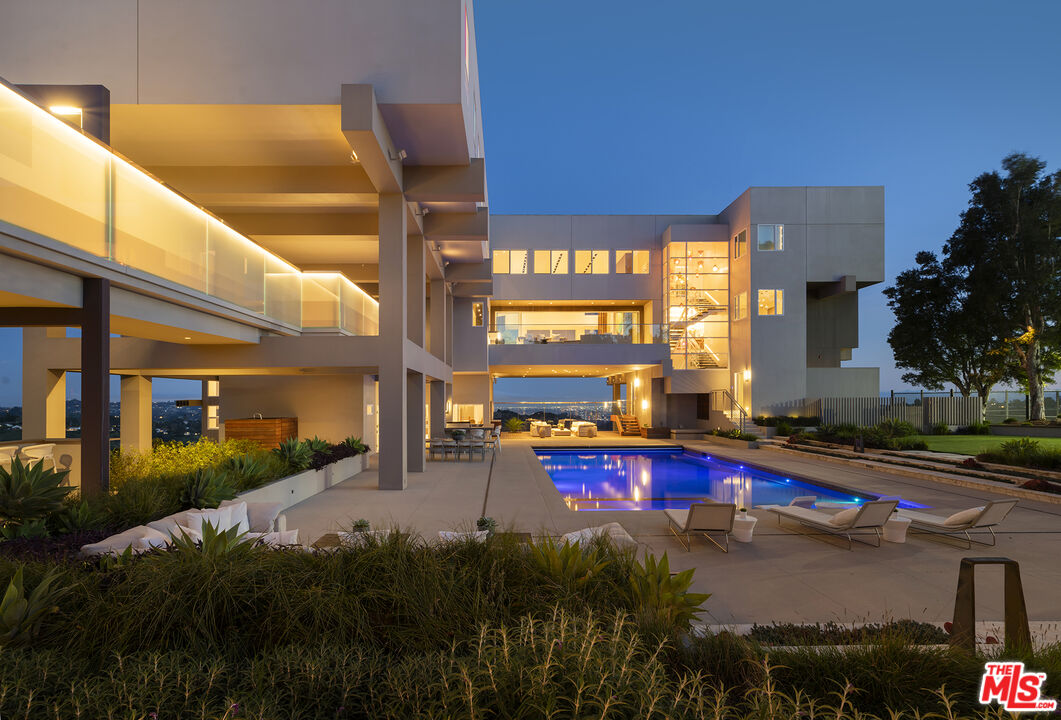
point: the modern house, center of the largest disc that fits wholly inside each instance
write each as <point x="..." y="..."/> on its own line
<point x="288" y="203"/>
<point x="753" y="308"/>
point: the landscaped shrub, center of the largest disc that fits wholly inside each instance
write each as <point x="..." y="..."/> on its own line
<point x="941" y="428"/>
<point x="356" y="445"/>
<point x="734" y="434"/>
<point x="513" y="425"/>
<point x="792" y="420"/>
<point x="886" y="435"/>
<point x="1010" y="421"/>
<point x="910" y="631"/>
<point x="783" y="428"/>
<point x="1023" y="452"/>
<point x="29" y="495"/>
<point x="978" y="428"/>
<point x="206" y="488"/>
<point x="21" y="616"/>
<point x="294" y="454"/>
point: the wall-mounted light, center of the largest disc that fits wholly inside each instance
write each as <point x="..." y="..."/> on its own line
<point x="68" y="113"/>
<point x="637" y="382"/>
<point x="368" y="409"/>
<point x="747" y="375"/>
<point x="644" y="404"/>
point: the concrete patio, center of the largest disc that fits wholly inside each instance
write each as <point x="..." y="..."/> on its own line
<point x="781" y="576"/>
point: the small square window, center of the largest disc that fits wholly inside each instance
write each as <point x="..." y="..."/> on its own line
<point x="501" y="261"/>
<point x="631" y="262"/>
<point x="591" y="262"/>
<point x="517" y="262"/>
<point x="740" y="243"/>
<point x="771" y="237"/>
<point x="477" y="314"/>
<point x="771" y="302"/>
<point x="550" y="262"/>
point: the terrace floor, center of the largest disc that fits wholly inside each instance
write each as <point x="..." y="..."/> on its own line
<point x="781" y="576"/>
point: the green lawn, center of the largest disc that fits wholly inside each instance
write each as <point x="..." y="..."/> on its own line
<point x="973" y="444"/>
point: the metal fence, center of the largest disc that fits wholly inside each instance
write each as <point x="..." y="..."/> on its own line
<point x="1001" y="404"/>
<point x="867" y="411"/>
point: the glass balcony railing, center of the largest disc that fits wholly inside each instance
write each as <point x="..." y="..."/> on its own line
<point x="585" y="334"/>
<point x="61" y="184"/>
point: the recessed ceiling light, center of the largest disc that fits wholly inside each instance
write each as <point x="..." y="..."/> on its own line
<point x="187" y="337"/>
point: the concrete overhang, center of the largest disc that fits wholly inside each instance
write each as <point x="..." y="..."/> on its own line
<point x="841" y="286"/>
<point x="364" y="225"/>
<point x="364" y="128"/>
<point x="564" y="371"/>
<point x="447" y="183"/>
<point x="458" y="227"/>
<point x="470" y="273"/>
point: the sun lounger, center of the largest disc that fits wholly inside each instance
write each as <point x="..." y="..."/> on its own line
<point x="703" y="518"/>
<point x="870" y="516"/>
<point x="978" y="518"/>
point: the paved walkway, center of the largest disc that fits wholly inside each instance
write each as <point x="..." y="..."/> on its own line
<point x="782" y="576"/>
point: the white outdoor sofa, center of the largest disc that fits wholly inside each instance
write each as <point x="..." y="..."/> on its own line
<point x="261" y="521"/>
<point x="870" y="516"/>
<point x="979" y="518"/>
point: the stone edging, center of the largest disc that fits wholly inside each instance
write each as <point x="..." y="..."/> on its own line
<point x="960" y="481"/>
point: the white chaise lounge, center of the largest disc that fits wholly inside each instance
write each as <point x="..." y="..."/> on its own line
<point x="703" y="518"/>
<point x="979" y="518"/>
<point x="870" y="516"/>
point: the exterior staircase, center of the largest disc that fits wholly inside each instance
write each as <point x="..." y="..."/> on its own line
<point x="628" y="425"/>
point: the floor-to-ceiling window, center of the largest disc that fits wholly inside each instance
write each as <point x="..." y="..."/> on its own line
<point x="697" y="289"/>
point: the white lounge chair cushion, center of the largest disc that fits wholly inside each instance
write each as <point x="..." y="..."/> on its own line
<point x="239" y="514"/>
<point x="844" y="517"/>
<point x="260" y="516"/>
<point x="277" y="539"/>
<point x="192" y="534"/>
<point x="613" y="530"/>
<point x="168" y="525"/>
<point x="220" y="518"/>
<point x="139" y="538"/>
<point x="963" y="517"/>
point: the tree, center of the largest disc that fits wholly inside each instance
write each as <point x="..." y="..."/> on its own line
<point x="946" y="330"/>
<point x="1009" y="243"/>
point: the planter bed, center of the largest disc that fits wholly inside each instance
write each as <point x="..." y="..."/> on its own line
<point x="729" y="442"/>
<point x="293" y="489"/>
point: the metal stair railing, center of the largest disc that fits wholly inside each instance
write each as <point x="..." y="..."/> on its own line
<point x="724" y="401"/>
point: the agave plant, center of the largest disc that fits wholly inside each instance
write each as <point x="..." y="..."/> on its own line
<point x="246" y="470"/>
<point x="75" y="517"/>
<point x="662" y="597"/>
<point x="30" y="492"/>
<point x="206" y="488"/>
<point x="214" y="543"/>
<point x="569" y="564"/>
<point x="21" y="616"/>
<point x="355" y="442"/>
<point x="316" y="445"/>
<point x="294" y="453"/>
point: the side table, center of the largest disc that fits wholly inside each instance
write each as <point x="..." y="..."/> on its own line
<point x="743" y="526"/>
<point x="895" y="529"/>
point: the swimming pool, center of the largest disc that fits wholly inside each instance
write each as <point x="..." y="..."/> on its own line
<point x="659" y="478"/>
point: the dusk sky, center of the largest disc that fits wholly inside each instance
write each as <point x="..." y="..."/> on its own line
<point x="678" y="107"/>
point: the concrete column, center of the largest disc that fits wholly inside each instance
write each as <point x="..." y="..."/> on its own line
<point x="135" y="415"/>
<point x="449" y="400"/>
<point x="393" y="322"/>
<point x="95" y="385"/>
<point x="416" y="288"/>
<point x="43" y="391"/>
<point x="416" y="418"/>
<point x="449" y="328"/>
<point x="438" y="408"/>
<point x="658" y="398"/>
<point x="439" y="328"/>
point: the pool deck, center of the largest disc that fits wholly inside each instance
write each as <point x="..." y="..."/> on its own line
<point x="781" y="576"/>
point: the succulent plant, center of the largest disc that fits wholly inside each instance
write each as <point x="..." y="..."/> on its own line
<point x="206" y="488"/>
<point x="29" y="492"/>
<point x="294" y="453"/>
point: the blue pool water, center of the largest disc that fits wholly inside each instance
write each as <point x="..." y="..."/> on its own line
<point x="655" y="479"/>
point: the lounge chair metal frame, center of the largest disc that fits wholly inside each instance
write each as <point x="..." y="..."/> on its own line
<point x="687" y="531"/>
<point x="994" y="516"/>
<point x="872" y="507"/>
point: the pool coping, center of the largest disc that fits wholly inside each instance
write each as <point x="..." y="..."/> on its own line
<point x="828" y="485"/>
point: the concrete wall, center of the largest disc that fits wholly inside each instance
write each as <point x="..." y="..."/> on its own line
<point x="469" y="341"/>
<point x="332" y="407"/>
<point x="239" y="51"/>
<point x="832" y="329"/>
<point x="738" y="217"/>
